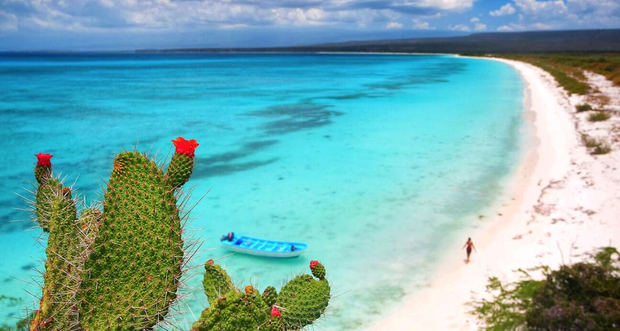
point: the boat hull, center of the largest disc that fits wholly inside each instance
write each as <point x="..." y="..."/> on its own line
<point x="264" y="247"/>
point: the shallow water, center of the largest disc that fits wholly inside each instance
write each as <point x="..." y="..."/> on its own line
<point x="376" y="161"/>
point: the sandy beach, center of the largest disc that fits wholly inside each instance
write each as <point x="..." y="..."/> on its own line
<point x="562" y="203"/>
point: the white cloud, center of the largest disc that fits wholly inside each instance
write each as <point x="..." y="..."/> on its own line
<point x="192" y="15"/>
<point x="504" y="10"/>
<point x="459" y="27"/>
<point x="393" y="25"/>
<point x="8" y="21"/>
<point x="419" y="24"/>
<point x="541" y="26"/>
<point x="446" y="4"/>
<point x="298" y="16"/>
<point x="505" y="28"/>
<point x="538" y="8"/>
<point x="478" y="26"/>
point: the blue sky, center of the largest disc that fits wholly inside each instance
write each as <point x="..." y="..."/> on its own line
<point x="130" y="24"/>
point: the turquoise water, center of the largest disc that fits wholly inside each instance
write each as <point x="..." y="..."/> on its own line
<point x="376" y="161"/>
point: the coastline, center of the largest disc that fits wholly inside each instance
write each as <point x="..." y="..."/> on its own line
<point x="547" y="216"/>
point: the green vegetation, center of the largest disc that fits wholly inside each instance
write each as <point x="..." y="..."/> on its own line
<point x="582" y="296"/>
<point x="567" y="69"/>
<point x="597" y="146"/>
<point x="120" y="268"/>
<point x="601" y="148"/>
<point x="589" y="141"/>
<point x="300" y="302"/>
<point x="598" y="116"/>
<point x="583" y="107"/>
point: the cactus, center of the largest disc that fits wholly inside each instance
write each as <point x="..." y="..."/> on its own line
<point x="63" y="263"/>
<point x="216" y="282"/>
<point x="301" y="301"/>
<point x="120" y="268"/>
<point x="270" y="295"/>
<point x="182" y="163"/>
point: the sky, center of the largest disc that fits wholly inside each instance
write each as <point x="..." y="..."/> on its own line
<point x="137" y="24"/>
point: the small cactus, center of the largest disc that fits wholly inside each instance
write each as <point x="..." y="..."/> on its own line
<point x="301" y="301"/>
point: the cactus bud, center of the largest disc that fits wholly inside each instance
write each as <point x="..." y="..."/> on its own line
<point x="43" y="170"/>
<point x="318" y="270"/>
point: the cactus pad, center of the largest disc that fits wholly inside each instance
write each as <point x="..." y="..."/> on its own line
<point x="270" y="295"/>
<point x="303" y="300"/>
<point x="216" y="282"/>
<point x="300" y="303"/>
<point x="59" y="310"/>
<point x="135" y="266"/>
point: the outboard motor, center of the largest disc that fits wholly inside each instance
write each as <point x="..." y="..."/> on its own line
<point x="228" y="237"/>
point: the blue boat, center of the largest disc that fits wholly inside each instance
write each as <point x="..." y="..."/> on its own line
<point x="262" y="247"/>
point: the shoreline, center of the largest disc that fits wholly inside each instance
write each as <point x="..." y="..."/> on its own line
<point x="531" y="226"/>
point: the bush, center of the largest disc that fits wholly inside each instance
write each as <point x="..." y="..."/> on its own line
<point x="582" y="296"/>
<point x="601" y="148"/>
<point x="598" y="116"/>
<point x="598" y="146"/>
<point x="589" y="141"/>
<point x="583" y="107"/>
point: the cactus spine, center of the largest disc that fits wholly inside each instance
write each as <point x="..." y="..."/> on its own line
<point x="116" y="269"/>
<point x="119" y="269"/>
<point x="301" y="301"/>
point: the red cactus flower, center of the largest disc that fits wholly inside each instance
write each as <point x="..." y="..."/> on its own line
<point x="313" y="264"/>
<point x="186" y="147"/>
<point x="210" y="262"/>
<point x="43" y="159"/>
<point x="275" y="311"/>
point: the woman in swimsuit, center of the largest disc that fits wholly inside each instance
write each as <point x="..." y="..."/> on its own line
<point x="469" y="244"/>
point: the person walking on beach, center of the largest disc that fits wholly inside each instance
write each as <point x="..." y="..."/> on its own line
<point x="469" y="244"/>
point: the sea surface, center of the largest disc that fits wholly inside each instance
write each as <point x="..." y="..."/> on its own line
<point x="378" y="162"/>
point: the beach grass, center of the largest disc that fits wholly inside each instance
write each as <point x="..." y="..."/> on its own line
<point x="599" y="116"/>
<point x="583" y="107"/>
<point x="598" y="146"/>
<point x="602" y="148"/>
<point x="568" y="69"/>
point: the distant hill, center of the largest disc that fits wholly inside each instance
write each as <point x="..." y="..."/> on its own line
<point x="497" y="42"/>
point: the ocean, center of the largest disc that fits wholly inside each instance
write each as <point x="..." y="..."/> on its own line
<point x="378" y="162"/>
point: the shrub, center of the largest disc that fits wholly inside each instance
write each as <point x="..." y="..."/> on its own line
<point x="601" y="148"/>
<point x="582" y="296"/>
<point x="589" y="141"/>
<point x="583" y="107"/>
<point x="598" y="116"/>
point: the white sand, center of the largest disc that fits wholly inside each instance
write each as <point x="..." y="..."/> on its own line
<point x="563" y="203"/>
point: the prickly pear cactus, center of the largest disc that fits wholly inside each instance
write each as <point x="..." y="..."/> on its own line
<point x="120" y="268"/>
<point x="301" y="301"/>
